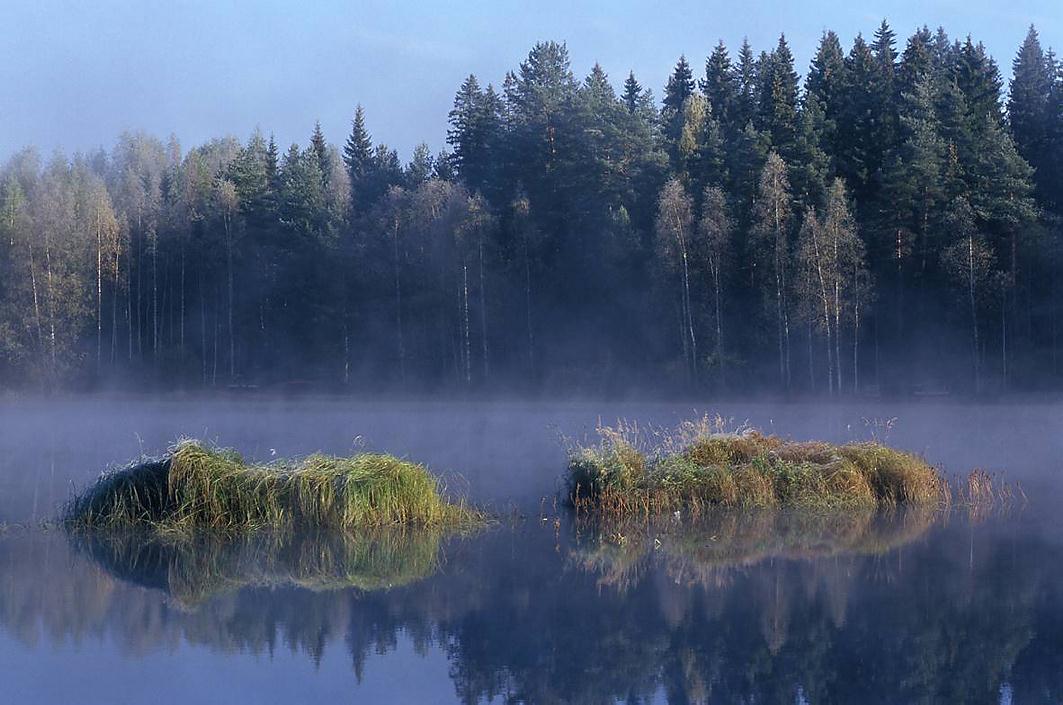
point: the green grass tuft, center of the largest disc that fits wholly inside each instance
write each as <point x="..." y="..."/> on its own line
<point x="700" y="466"/>
<point x="195" y="488"/>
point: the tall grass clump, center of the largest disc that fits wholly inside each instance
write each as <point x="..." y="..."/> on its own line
<point x="194" y="487"/>
<point x="702" y="464"/>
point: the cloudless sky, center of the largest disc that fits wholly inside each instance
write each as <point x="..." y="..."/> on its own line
<point x="75" y="74"/>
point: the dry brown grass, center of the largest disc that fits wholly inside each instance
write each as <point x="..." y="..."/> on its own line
<point x="701" y="465"/>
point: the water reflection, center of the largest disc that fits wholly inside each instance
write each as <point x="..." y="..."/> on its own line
<point x="708" y="551"/>
<point x="195" y="569"/>
<point x="743" y="608"/>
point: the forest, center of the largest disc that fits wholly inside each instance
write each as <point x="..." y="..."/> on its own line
<point x="889" y="224"/>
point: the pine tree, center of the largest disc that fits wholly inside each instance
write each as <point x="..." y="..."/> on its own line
<point x="542" y="104"/>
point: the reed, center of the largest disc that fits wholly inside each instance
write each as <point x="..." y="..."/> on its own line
<point x="194" y="487"/>
<point x="699" y="465"/>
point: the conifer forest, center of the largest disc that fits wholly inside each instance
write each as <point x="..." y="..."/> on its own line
<point x="888" y="221"/>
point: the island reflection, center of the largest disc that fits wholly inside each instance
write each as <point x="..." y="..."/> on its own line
<point x="751" y="608"/>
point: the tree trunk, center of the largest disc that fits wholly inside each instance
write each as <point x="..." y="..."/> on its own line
<point x="528" y="307"/>
<point x="154" y="243"/>
<point x="36" y="301"/>
<point x="466" y="343"/>
<point x="1004" y="334"/>
<point x="689" y="318"/>
<point x="203" y="326"/>
<point x="182" y="314"/>
<point x="483" y="312"/>
<point x="50" y="283"/>
<point x="837" y="336"/>
<point x="715" y="266"/>
<point x="972" y="300"/>
<point x="99" y="294"/>
<point x="229" y="265"/>
<point x="398" y="304"/>
<point x="114" y="303"/>
<point x="856" y="347"/>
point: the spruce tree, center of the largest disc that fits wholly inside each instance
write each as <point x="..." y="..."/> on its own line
<point x="856" y="158"/>
<point x="917" y="61"/>
<point x="358" y="158"/>
<point x="826" y="85"/>
<point x="746" y="85"/>
<point x="884" y="100"/>
<point x="978" y="77"/>
<point x="680" y="87"/>
<point x="272" y="162"/>
<point x="719" y="87"/>
<point x="421" y="166"/>
<point x="632" y="93"/>
<point x="778" y="99"/>
<point x="467" y="134"/>
<point x="319" y="146"/>
<point x="1028" y="108"/>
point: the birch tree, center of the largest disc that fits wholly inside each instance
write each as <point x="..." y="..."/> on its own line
<point x="675" y="230"/>
<point x="771" y="234"/>
<point x="716" y="237"/>
<point x="969" y="263"/>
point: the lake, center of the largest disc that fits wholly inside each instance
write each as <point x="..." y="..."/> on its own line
<point x="540" y="607"/>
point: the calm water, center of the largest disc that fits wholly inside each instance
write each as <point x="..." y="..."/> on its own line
<point x="542" y="609"/>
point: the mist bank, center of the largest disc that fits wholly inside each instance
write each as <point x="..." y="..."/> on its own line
<point x="889" y="226"/>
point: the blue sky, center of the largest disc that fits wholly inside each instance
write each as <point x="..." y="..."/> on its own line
<point x="75" y="74"/>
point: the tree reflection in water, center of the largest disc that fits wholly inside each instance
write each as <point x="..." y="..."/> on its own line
<point x="747" y="608"/>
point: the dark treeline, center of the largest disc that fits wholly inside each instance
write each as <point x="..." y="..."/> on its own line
<point x="890" y="225"/>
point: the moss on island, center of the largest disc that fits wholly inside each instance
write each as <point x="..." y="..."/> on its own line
<point x="699" y="466"/>
<point x="194" y="487"/>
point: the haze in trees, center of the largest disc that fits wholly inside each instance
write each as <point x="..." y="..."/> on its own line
<point x="888" y="223"/>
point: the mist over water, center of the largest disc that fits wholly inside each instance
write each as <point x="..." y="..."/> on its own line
<point x="903" y="608"/>
<point x="501" y="453"/>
